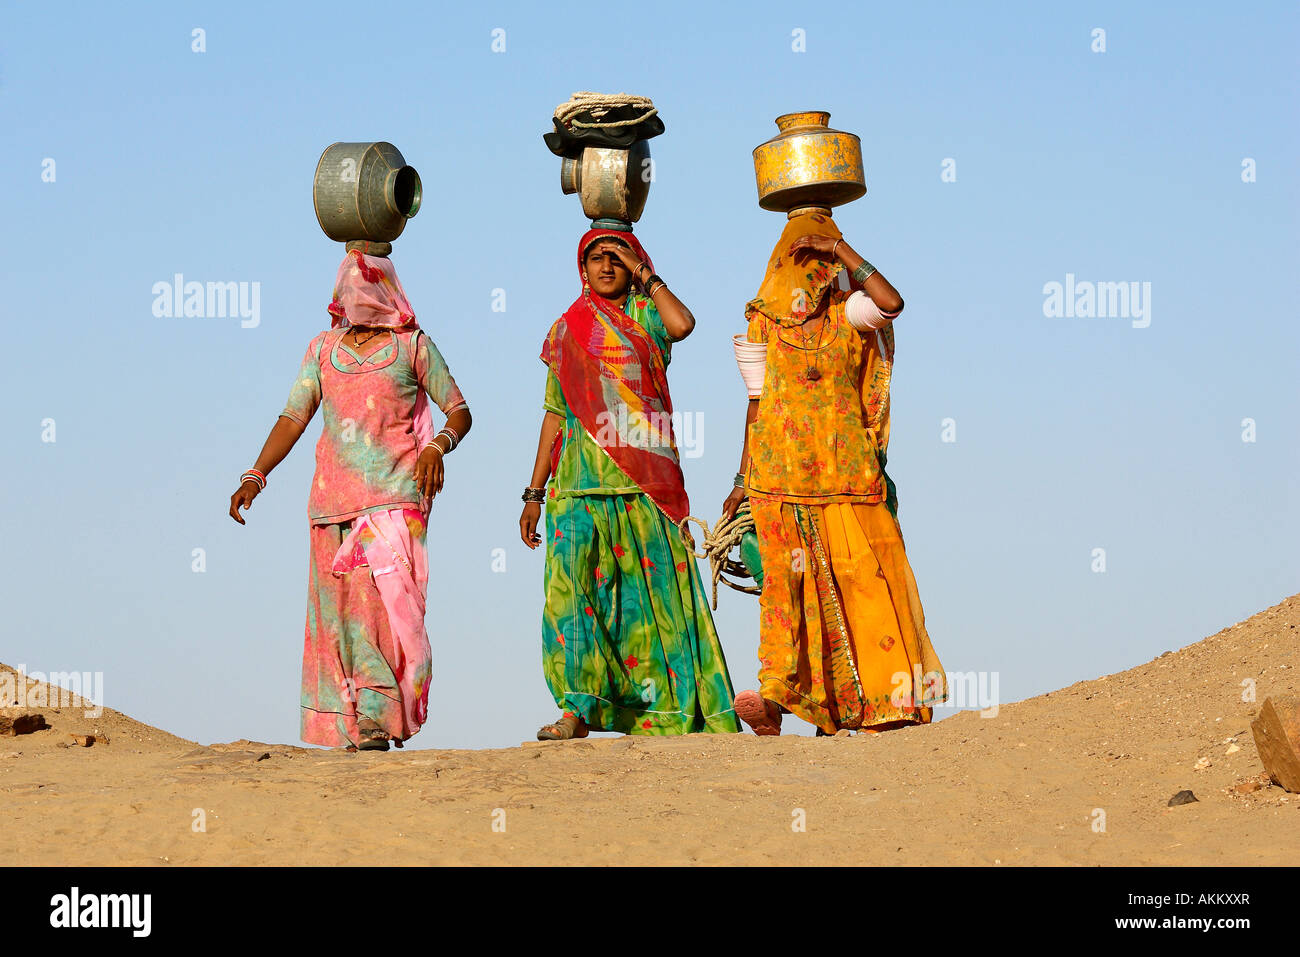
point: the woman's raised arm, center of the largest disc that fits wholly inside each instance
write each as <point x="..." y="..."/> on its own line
<point x="876" y="286"/>
<point x="677" y="319"/>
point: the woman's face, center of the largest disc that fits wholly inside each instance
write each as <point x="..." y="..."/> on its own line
<point x="606" y="273"/>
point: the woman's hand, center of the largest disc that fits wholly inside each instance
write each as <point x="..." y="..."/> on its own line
<point x="815" y="244"/>
<point x="677" y="319"/>
<point x="639" y="270"/>
<point x="428" y="470"/>
<point x="732" y="503"/>
<point x="284" y="434"/>
<point x="243" y="498"/>
<point x="528" y="524"/>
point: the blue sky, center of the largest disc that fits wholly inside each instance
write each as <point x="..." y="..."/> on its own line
<point x="1071" y="434"/>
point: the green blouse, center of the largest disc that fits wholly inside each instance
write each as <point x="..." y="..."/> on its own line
<point x="584" y="467"/>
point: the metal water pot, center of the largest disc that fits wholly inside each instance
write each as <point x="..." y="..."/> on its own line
<point x="613" y="184"/>
<point x="808" y="164"/>
<point x="365" y="192"/>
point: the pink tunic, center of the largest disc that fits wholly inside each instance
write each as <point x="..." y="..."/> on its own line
<point x="365" y="459"/>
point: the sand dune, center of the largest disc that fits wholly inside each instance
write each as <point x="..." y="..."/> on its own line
<point x="1024" y="787"/>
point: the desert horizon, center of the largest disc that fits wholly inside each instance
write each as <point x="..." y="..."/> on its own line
<point x="1083" y="775"/>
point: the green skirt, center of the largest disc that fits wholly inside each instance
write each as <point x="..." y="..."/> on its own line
<point x="628" y="642"/>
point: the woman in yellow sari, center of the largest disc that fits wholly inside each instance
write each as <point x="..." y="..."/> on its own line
<point x="842" y="639"/>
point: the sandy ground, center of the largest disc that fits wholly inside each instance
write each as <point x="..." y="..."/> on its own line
<point x="1028" y="786"/>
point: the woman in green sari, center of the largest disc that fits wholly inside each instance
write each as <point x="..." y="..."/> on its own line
<point x="628" y="642"/>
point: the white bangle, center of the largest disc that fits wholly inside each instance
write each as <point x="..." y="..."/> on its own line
<point x="751" y="358"/>
<point x="863" y="314"/>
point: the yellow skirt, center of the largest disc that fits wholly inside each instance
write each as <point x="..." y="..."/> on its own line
<point x="842" y="639"/>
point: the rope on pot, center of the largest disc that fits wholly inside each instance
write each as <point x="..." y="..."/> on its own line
<point x="599" y="104"/>
<point x="718" y="543"/>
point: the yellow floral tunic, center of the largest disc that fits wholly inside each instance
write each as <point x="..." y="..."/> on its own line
<point x="823" y="415"/>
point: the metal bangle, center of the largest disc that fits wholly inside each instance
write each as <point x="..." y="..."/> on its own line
<point x="740" y="480"/>
<point x="836" y="246"/>
<point x="532" y="494"/>
<point x="862" y="272"/>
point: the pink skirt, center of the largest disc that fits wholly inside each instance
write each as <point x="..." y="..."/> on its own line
<point x="365" y="651"/>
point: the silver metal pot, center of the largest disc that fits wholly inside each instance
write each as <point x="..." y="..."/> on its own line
<point x="612" y="183"/>
<point x="364" y="191"/>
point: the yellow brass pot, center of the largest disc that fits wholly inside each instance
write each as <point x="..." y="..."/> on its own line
<point x="808" y="164"/>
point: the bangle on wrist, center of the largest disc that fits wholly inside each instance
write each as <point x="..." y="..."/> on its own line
<point x="836" y="246"/>
<point x="532" y="494"/>
<point x="740" y="479"/>
<point x="453" y="440"/>
<point x="254" y="476"/>
<point x="862" y="272"/>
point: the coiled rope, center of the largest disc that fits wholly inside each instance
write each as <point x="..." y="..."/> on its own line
<point x="718" y="544"/>
<point x="599" y="104"/>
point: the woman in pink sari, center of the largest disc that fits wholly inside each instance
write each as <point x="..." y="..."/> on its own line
<point x="366" y="658"/>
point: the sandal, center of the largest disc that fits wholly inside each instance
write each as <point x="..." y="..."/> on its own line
<point x="569" y="726"/>
<point x="373" y="737"/>
<point x="762" y="716"/>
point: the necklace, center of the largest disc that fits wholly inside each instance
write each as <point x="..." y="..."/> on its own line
<point x="810" y="368"/>
<point x="359" y="342"/>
